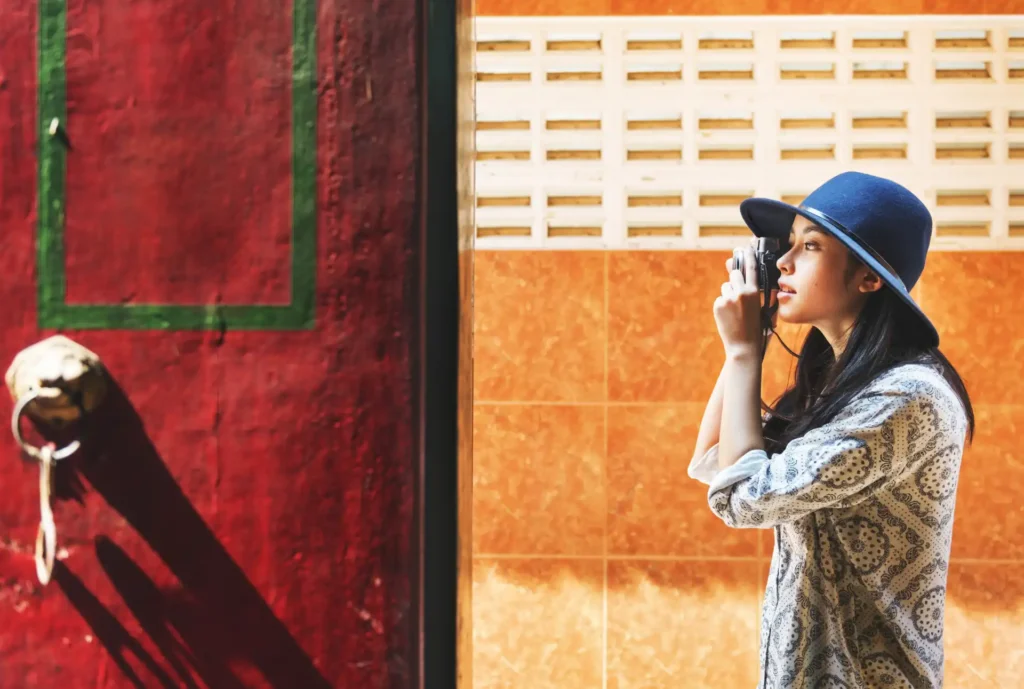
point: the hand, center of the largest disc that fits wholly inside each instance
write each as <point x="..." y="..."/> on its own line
<point x="773" y="297"/>
<point x="738" y="310"/>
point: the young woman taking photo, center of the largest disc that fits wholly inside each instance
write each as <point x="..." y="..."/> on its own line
<point x="855" y="466"/>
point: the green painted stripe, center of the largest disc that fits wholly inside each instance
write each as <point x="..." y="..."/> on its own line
<point x="304" y="92"/>
<point x="51" y="103"/>
<point x="178" y="317"/>
<point x="53" y="312"/>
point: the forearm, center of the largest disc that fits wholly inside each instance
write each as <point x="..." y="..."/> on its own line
<point x="741" y="430"/>
<point x="711" y="422"/>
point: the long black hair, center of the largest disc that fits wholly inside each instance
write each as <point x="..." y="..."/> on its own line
<point x="882" y="337"/>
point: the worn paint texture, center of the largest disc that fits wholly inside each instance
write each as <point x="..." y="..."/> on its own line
<point x="242" y="513"/>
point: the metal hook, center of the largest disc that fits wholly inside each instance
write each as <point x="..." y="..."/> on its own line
<point x="31" y="450"/>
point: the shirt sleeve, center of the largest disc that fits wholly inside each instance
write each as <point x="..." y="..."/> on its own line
<point x="837" y="465"/>
<point x="705" y="468"/>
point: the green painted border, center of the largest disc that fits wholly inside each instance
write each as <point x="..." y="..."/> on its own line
<point x="54" y="312"/>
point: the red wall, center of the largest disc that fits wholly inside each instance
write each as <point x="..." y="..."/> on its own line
<point x="243" y="513"/>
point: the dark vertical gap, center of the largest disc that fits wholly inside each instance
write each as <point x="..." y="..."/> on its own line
<point x="439" y="354"/>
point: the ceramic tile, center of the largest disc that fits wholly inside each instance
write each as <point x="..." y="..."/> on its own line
<point x="760" y="7"/>
<point x="989" y="517"/>
<point x="860" y="6"/>
<point x="533" y="8"/>
<point x="682" y="624"/>
<point x="654" y="508"/>
<point x="995" y="7"/>
<point x="973" y="300"/>
<point x="984" y="625"/>
<point x="663" y="345"/>
<point x="537" y="624"/>
<point x="538" y="480"/>
<point x="464" y="429"/>
<point x="693" y="7"/>
<point x="779" y="368"/>
<point x="963" y="7"/>
<point x="738" y="7"/>
<point x="540" y="326"/>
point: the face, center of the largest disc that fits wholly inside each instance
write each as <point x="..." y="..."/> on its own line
<point x="819" y="285"/>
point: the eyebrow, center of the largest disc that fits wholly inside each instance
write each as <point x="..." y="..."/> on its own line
<point x="810" y="229"/>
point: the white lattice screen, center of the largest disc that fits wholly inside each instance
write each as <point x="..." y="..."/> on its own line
<point x="646" y="132"/>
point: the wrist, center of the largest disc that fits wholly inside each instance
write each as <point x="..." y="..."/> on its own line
<point x="743" y="354"/>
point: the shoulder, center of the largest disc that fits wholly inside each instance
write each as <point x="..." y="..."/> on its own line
<point x="914" y="380"/>
<point x="920" y="390"/>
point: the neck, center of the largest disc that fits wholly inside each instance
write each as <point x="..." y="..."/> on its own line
<point x="837" y="330"/>
<point x="837" y="335"/>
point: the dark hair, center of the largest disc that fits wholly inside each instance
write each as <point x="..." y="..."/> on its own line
<point x="882" y="338"/>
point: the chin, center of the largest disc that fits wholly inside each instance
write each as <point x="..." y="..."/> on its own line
<point x="790" y="315"/>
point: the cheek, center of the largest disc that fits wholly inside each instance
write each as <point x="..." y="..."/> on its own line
<point x="819" y="291"/>
<point x="834" y="291"/>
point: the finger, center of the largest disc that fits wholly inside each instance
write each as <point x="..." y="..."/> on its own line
<point x="751" y="266"/>
<point x="726" y="289"/>
<point x="737" y="276"/>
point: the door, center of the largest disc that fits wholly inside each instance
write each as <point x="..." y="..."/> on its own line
<point x="222" y="200"/>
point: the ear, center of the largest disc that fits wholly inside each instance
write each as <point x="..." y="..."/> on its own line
<point x="870" y="282"/>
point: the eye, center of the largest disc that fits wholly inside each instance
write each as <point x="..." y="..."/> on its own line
<point x="811" y="246"/>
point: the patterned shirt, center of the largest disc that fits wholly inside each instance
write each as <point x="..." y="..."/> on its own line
<point x="862" y="510"/>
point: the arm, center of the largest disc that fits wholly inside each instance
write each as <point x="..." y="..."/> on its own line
<point x="839" y="464"/>
<point x="733" y="412"/>
<point x="741" y="428"/>
<point x="710" y="423"/>
<point x="705" y="463"/>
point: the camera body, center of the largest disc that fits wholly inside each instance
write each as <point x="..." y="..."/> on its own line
<point x="766" y="255"/>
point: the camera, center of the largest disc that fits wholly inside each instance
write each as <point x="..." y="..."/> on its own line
<point x="766" y="254"/>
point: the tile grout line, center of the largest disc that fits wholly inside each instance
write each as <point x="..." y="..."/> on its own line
<point x="985" y="561"/>
<point x="653" y="403"/>
<point x="604" y="479"/>
<point x="699" y="558"/>
<point x="574" y="403"/>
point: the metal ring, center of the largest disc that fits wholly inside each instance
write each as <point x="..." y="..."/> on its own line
<point x="31" y="450"/>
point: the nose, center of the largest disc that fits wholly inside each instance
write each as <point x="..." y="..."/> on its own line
<point x="785" y="262"/>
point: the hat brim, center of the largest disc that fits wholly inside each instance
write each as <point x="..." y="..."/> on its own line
<point x="773" y="218"/>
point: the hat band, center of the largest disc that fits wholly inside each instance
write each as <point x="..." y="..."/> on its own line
<point x="859" y="242"/>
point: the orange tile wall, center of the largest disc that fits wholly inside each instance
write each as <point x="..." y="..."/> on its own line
<point x="598" y="8"/>
<point x="597" y="564"/>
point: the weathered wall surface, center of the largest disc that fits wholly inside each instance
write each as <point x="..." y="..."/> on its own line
<point x="243" y="514"/>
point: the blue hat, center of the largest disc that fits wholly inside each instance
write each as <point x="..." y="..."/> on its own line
<point x="882" y="222"/>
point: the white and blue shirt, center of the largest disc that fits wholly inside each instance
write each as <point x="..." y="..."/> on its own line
<point x="862" y="510"/>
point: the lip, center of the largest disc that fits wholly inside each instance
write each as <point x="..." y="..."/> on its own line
<point x="784" y="286"/>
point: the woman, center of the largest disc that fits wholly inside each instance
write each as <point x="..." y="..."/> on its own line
<point x="856" y="466"/>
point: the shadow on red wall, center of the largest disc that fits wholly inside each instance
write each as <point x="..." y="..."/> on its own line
<point x="216" y="623"/>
